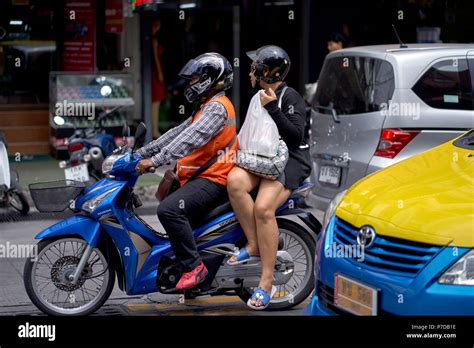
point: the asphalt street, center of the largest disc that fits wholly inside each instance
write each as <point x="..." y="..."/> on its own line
<point x="14" y="300"/>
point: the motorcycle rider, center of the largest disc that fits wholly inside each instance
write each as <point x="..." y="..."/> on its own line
<point x="193" y="143"/>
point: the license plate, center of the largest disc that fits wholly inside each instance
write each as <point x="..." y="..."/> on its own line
<point x="354" y="297"/>
<point x="330" y="175"/>
<point x="77" y="173"/>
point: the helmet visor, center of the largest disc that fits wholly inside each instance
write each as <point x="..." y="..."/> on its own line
<point x="252" y="55"/>
<point x="191" y="69"/>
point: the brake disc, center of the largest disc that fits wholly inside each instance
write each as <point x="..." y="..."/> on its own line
<point x="62" y="269"/>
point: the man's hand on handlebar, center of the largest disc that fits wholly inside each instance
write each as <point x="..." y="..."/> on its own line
<point x="145" y="166"/>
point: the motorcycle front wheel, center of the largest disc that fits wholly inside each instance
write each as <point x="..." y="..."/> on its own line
<point x="47" y="284"/>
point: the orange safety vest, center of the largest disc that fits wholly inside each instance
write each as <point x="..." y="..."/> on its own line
<point x="217" y="172"/>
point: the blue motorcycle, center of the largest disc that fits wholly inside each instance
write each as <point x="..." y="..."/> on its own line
<point x="79" y="258"/>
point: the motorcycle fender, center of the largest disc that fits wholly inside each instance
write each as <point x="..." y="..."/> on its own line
<point x="83" y="226"/>
<point x="303" y="218"/>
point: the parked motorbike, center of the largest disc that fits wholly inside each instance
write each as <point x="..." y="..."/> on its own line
<point x="78" y="258"/>
<point x="87" y="150"/>
<point x="11" y="194"/>
<point x="89" y="147"/>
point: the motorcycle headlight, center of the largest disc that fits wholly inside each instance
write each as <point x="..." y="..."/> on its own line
<point x="93" y="203"/>
<point x="108" y="163"/>
<point x="461" y="273"/>
<point x="332" y="208"/>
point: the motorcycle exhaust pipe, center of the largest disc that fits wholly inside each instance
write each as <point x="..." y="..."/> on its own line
<point x="95" y="153"/>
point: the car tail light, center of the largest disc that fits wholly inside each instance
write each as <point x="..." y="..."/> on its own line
<point x="75" y="147"/>
<point x="393" y="140"/>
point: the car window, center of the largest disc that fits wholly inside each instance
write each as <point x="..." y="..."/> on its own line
<point x="446" y="85"/>
<point x="353" y="85"/>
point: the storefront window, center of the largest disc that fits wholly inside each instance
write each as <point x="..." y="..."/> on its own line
<point x="28" y="46"/>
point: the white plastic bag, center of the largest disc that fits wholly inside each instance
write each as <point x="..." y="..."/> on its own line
<point x="259" y="133"/>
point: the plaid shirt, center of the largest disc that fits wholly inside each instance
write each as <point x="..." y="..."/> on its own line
<point x="182" y="140"/>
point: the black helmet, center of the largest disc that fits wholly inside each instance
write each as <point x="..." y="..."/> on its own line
<point x="214" y="72"/>
<point x="273" y="58"/>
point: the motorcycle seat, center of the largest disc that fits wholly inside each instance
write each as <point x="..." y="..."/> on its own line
<point x="217" y="211"/>
<point x="226" y="206"/>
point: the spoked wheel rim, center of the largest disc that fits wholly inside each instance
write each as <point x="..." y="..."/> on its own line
<point x="49" y="277"/>
<point x="303" y="267"/>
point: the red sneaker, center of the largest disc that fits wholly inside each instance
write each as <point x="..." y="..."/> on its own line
<point x="191" y="279"/>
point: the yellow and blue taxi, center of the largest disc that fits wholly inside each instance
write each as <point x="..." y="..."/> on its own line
<point x="401" y="241"/>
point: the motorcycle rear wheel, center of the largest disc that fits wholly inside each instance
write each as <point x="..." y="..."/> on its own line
<point x="292" y="235"/>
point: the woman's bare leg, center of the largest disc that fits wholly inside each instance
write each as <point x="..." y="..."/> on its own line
<point x="271" y="195"/>
<point x="239" y="185"/>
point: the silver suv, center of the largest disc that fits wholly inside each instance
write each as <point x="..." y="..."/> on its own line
<point x="377" y="105"/>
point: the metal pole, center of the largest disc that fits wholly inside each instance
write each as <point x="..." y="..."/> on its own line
<point x="145" y="34"/>
<point x="304" y="44"/>
<point x="236" y="54"/>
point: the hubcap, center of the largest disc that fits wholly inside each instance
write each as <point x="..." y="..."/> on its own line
<point x="62" y="272"/>
<point x="302" y="267"/>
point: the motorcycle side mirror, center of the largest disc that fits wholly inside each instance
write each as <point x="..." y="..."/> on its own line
<point x="125" y="130"/>
<point x="140" y="136"/>
<point x="3" y="33"/>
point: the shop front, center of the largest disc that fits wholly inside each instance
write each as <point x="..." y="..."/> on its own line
<point x="179" y="30"/>
<point x="54" y="58"/>
<point x="28" y="51"/>
<point x="57" y="52"/>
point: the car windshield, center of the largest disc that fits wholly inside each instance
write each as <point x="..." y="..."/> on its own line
<point x="466" y="141"/>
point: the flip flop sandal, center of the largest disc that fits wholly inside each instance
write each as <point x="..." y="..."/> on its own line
<point x="243" y="256"/>
<point x="262" y="296"/>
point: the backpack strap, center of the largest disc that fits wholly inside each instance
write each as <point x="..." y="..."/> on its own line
<point x="281" y="96"/>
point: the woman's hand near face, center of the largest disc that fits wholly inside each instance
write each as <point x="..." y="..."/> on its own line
<point x="267" y="97"/>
